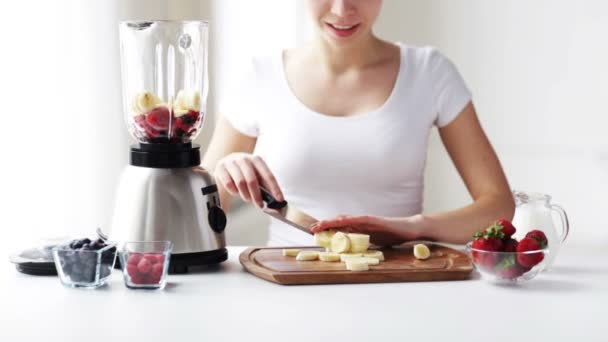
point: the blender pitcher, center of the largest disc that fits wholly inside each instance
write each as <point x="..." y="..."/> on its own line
<point x="534" y="212"/>
<point x="164" y="77"/>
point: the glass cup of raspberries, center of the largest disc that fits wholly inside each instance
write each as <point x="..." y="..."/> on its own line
<point x="498" y="256"/>
<point x="145" y="264"/>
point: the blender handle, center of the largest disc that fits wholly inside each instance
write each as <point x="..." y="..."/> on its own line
<point x="565" y="222"/>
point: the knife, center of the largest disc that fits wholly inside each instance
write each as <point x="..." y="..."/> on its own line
<point x="282" y="211"/>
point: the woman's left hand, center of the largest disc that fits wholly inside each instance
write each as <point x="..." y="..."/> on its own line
<point x="383" y="231"/>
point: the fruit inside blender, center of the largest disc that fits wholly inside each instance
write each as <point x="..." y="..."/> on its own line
<point x="155" y="121"/>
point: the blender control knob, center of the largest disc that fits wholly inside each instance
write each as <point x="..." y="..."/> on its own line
<point x="217" y="219"/>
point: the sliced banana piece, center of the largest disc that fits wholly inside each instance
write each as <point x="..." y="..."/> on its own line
<point x="356" y="264"/>
<point x="374" y="254"/>
<point x="345" y="256"/>
<point x="177" y="112"/>
<point x="370" y="261"/>
<point x="329" y="256"/>
<point x="187" y="100"/>
<point x="291" y="252"/>
<point x="421" y="251"/>
<point x="144" y="102"/>
<point x="307" y="255"/>
<point x="358" y="242"/>
<point x="323" y="238"/>
<point x="340" y="243"/>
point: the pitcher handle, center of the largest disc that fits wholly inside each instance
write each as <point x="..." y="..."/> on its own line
<point x="565" y="222"/>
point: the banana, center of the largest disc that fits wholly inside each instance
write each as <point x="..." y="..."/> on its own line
<point x="307" y="255"/>
<point x="421" y="252"/>
<point x="291" y="252"/>
<point x="177" y="112"/>
<point x="374" y="254"/>
<point x="356" y="264"/>
<point x="194" y="101"/>
<point x="323" y="238"/>
<point x="187" y="100"/>
<point x="370" y="261"/>
<point x="329" y="256"/>
<point x="144" y="102"/>
<point x="340" y="243"/>
<point x="345" y="256"/>
<point x="358" y="242"/>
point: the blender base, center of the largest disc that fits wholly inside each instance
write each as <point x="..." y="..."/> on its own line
<point x="182" y="262"/>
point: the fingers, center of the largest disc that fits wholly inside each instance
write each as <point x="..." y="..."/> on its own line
<point x="243" y="174"/>
<point x="251" y="181"/>
<point x="222" y="175"/>
<point x="267" y="178"/>
<point x="239" y="179"/>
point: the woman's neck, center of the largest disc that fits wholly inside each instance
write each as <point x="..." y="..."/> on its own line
<point x="339" y="59"/>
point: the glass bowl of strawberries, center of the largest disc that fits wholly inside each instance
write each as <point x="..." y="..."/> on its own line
<point x="500" y="258"/>
<point x="145" y="264"/>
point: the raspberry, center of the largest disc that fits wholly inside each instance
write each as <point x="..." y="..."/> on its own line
<point x="144" y="266"/>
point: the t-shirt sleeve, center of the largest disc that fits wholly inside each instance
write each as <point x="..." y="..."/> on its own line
<point x="450" y="92"/>
<point x="238" y="102"/>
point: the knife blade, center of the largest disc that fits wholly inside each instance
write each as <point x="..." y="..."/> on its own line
<point x="282" y="211"/>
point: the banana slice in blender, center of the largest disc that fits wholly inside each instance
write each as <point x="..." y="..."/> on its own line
<point x="340" y="243"/>
<point x="144" y="102"/>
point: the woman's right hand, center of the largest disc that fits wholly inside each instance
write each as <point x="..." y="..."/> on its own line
<point x="243" y="174"/>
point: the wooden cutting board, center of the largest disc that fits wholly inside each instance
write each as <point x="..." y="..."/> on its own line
<point x="400" y="266"/>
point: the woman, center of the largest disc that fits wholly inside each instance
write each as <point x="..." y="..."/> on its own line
<point x="339" y="128"/>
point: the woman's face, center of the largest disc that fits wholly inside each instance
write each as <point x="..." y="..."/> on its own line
<point x="343" y="22"/>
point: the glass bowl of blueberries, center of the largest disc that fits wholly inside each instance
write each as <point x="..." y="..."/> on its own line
<point x="85" y="263"/>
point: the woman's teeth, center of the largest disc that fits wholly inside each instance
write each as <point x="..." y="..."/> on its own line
<point x="340" y="27"/>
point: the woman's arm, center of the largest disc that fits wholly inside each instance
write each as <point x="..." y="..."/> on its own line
<point x="483" y="176"/>
<point x="480" y="169"/>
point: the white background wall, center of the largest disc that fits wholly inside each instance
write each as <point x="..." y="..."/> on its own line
<point x="539" y="76"/>
<point x="538" y="71"/>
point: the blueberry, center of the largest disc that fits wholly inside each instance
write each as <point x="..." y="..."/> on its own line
<point x="77" y="268"/>
<point x="105" y="271"/>
<point x="75" y="244"/>
<point x="89" y="274"/>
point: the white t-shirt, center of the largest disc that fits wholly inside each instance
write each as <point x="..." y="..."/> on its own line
<point x="371" y="163"/>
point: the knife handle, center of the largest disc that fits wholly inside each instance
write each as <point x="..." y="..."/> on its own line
<point x="271" y="202"/>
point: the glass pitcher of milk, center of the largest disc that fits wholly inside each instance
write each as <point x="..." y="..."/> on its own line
<point x="534" y="211"/>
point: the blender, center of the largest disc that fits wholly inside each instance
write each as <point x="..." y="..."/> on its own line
<point x="164" y="194"/>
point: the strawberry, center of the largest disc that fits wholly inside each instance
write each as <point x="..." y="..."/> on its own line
<point x="506" y="227"/>
<point x="540" y="237"/>
<point x="529" y="259"/>
<point x="509" y="245"/>
<point x="489" y="241"/>
<point x="509" y="269"/>
<point x="158" y="118"/>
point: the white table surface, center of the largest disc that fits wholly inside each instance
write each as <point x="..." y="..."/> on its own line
<point x="229" y="304"/>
